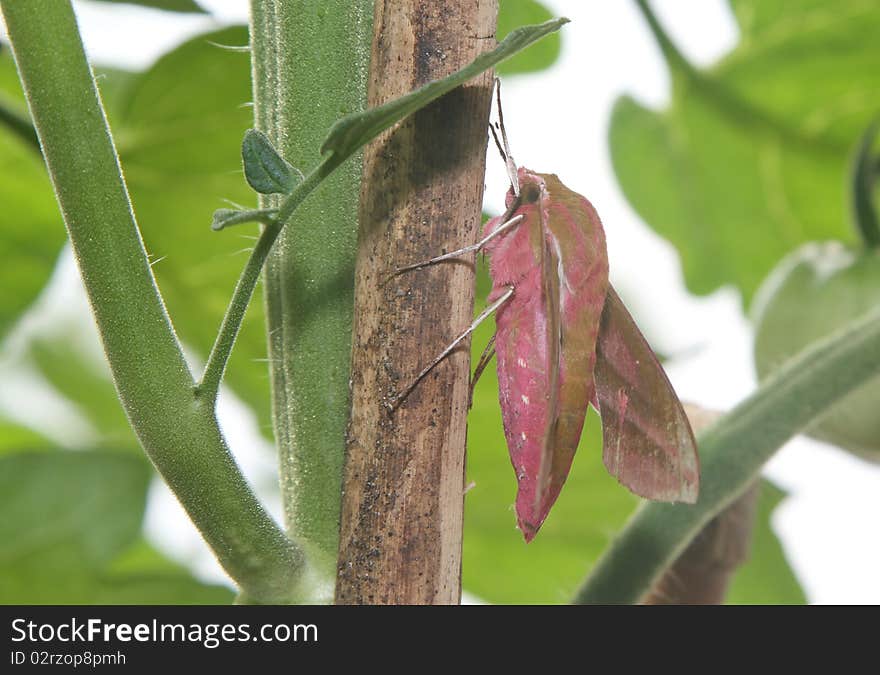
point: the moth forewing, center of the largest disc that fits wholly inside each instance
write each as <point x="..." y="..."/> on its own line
<point x="552" y="299"/>
<point x="575" y="274"/>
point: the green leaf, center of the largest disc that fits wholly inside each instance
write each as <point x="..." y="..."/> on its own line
<point x="513" y="13"/>
<point x="70" y="523"/>
<point x="65" y="513"/>
<point x="766" y="577"/>
<point x="170" y="5"/>
<point x="11" y="94"/>
<point x="19" y="124"/>
<point x="87" y="385"/>
<point x="15" y="438"/>
<point x="113" y="84"/>
<point x="141" y="575"/>
<point x="353" y="131"/>
<point x="153" y="589"/>
<point x="264" y="169"/>
<point x="31" y="229"/>
<point x="751" y="157"/>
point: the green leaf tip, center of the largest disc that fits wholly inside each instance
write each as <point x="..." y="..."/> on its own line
<point x="353" y="131"/>
<point x="224" y="218"/>
<point x="266" y="171"/>
<point x="865" y="172"/>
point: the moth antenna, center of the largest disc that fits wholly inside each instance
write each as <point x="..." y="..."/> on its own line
<point x="508" y="158"/>
<point x="498" y="143"/>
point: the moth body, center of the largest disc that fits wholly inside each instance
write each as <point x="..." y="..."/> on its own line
<point x="555" y="260"/>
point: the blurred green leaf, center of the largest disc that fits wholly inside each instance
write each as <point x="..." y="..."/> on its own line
<point x="750" y="158"/>
<point x="31" y="230"/>
<point x="10" y="88"/>
<point x="766" y="578"/>
<point x="112" y="85"/>
<point x="14" y="438"/>
<point x="864" y="182"/>
<point x="155" y="589"/>
<point x="87" y="385"/>
<point x="170" y="5"/>
<point x="66" y="517"/>
<point x="67" y="509"/>
<point x="148" y="577"/>
<point x="515" y="13"/>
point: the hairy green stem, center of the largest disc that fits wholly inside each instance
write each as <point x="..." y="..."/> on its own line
<point x="310" y="64"/>
<point x="244" y="289"/>
<point x="732" y="453"/>
<point x="177" y="430"/>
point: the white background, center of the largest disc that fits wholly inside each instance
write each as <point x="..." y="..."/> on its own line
<point x="557" y="122"/>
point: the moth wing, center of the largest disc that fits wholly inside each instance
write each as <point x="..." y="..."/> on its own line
<point x="648" y="444"/>
<point x="551" y="460"/>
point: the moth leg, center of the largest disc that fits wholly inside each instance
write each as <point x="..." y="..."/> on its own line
<point x="501" y="229"/>
<point x="485" y="360"/>
<point x="485" y="314"/>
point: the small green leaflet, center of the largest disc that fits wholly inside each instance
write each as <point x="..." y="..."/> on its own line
<point x="266" y="171"/>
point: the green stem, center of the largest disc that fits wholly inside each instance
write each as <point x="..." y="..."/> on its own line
<point x="209" y="386"/>
<point x="244" y="289"/>
<point x="303" y="82"/>
<point x="179" y="433"/>
<point x="671" y="53"/>
<point x="732" y="453"/>
<point x="864" y="176"/>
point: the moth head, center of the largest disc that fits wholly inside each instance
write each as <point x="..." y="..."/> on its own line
<point x="531" y="187"/>
<point x="530" y="193"/>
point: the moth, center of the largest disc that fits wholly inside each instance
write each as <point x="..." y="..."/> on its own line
<point x="564" y="340"/>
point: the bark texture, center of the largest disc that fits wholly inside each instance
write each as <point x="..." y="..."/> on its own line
<point x="400" y="539"/>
